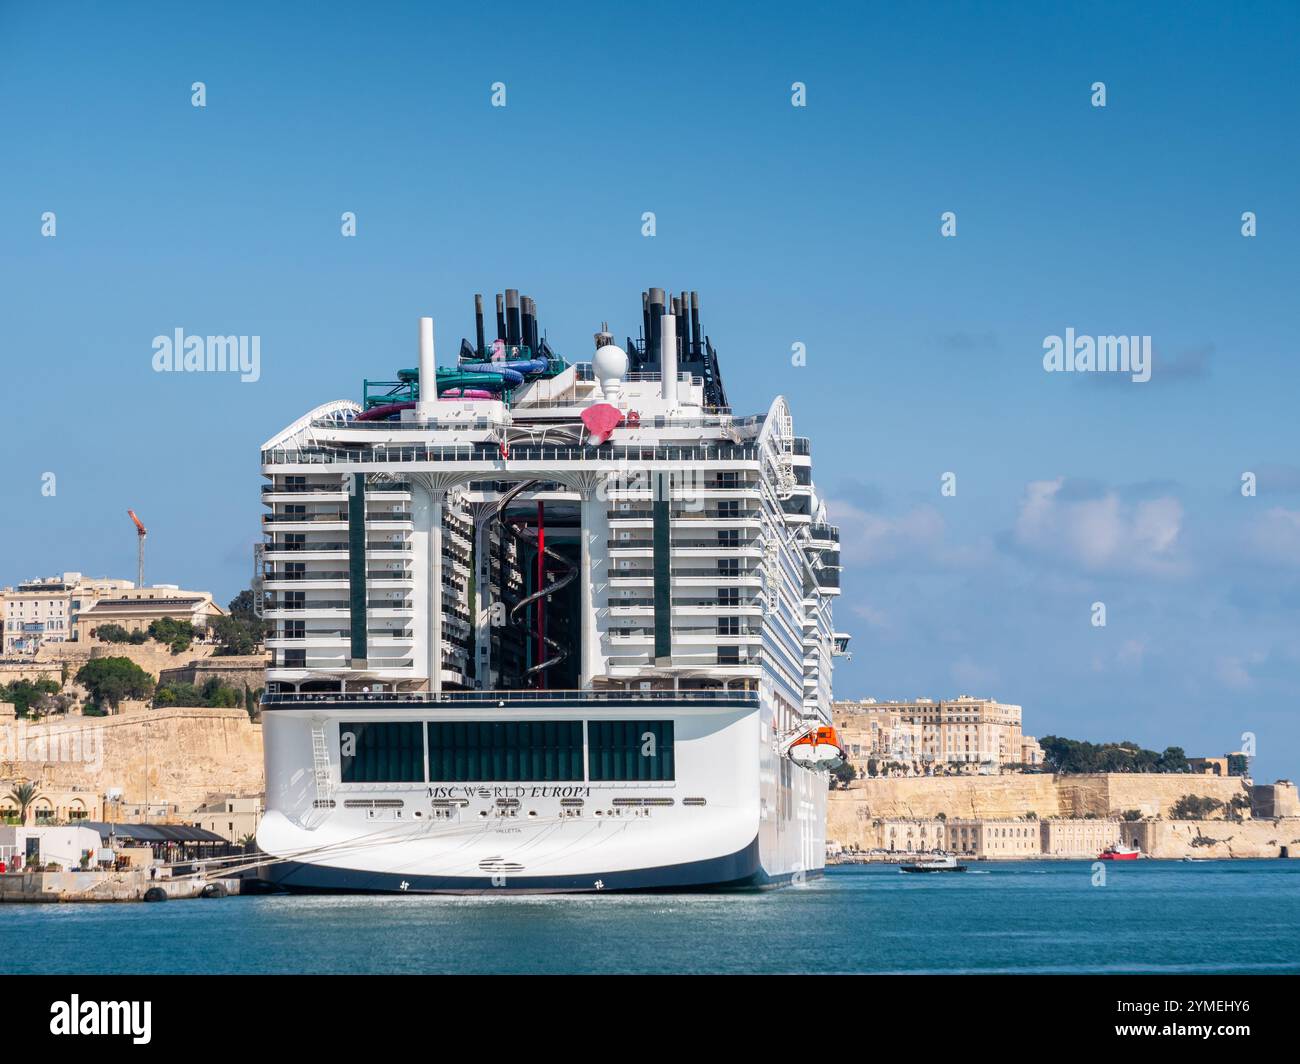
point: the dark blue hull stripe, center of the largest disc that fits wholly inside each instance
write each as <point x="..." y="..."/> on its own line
<point x="736" y="871"/>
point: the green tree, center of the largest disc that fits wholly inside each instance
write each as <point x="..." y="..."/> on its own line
<point x="176" y="634"/>
<point x="25" y="693"/>
<point x="115" y="633"/>
<point x="845" y="773"/>
<point x="1195" y="807"/>
<point x="237" y="635"/>
<point x="113" y="679"/>
<point x="242" y="606"/>
<point x="23" y="795"/>
<point x="1174" y="759"/>
<point x="177" y="693"/>
<point x="215" y="693"/>
<point x="1071" y="755"/>
<point x="212" y="693"/>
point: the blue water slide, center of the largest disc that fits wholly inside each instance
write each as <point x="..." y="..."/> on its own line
<point x="504" y="370"/>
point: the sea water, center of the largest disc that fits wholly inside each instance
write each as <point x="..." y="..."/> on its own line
<point x="1032" y="916"/>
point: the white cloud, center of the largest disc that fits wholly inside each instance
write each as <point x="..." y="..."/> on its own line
<point x="921" y="533"/>
<point x="1234" y="672"/>
<point x="868" y="538"/>
<point x="1101" y="532"/>
<point x="971" y="677"/>
<point x="1132" y="653"/>
<point x="875" y="618"/>
<point x="1276" y="536"/>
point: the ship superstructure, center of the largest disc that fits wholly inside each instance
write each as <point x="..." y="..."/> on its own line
<point x="541" y="625"/>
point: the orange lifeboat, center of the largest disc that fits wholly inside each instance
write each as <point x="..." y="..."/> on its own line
<point x="818" y="749"/>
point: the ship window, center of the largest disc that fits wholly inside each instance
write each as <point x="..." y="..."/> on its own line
<point x="505" y="751"/>
<point x="381" y="753"/>
<point x="630" y="750"/>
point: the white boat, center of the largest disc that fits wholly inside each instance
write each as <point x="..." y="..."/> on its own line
<point x="947" y="863"/>
<point x="542" y="626"/>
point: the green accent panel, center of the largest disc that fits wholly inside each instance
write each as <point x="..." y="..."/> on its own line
<point x="630" y="750"/>
<point x="381" y="753"/>
<point x="662" y="572"/>
<point x="357" y="565"/>
<point x="469" y="751"/>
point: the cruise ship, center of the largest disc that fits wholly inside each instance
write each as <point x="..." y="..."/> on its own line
<point x="546" y="626"/>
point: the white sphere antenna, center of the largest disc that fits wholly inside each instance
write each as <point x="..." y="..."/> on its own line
<point x="609" y="366"/>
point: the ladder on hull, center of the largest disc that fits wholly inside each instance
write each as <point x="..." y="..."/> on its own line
<point x="321" y="775"/>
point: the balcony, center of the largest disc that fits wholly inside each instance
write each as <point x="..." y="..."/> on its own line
<point x="331" y="636"/>
<point x="334" y="492"/>
<point x="324" y="549"/>
<point x="296" y="577"/>
<point x="291" y="518"/>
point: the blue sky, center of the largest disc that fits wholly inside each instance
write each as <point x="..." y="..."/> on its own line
<point x="818" y="225"/>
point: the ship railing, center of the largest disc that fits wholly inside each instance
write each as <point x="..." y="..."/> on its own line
<point x="275" y="519"/>
<point x="494" y="698"/>
<point x="721" y="452"/>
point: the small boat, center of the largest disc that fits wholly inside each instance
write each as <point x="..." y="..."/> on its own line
<point x="934" y="864"/>
<point x="817" y="749"/>
<point x="1119" y="853"/>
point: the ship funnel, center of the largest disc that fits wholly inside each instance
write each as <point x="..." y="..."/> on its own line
<point x="428" y="372"/>
<point x="655" y="301"/>
<point x="529" y="309"/>
<point x="513" y="323"/>
<point x="668" y="357"/>
<point x="478" y="324"/>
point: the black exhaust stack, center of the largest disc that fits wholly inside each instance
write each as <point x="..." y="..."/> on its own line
<point x="526" y="331"/>
<point x="478" y="323"/>
<point x="512" y="317"/>
<point x="656" y="324"/>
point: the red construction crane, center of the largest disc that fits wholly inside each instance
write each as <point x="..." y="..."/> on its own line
<point x="140" y="533"/>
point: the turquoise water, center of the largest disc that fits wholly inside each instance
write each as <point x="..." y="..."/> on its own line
<point x="1151" y="916"/>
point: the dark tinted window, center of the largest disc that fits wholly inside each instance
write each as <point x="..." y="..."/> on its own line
<point x="381" y="753"/>
<point x="630" y="749"/>
<point x="505" y="751"/>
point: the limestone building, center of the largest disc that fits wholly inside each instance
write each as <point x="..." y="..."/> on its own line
<point x="1077" y="837"/>
<point x="960" y="731"/>
<point x="136" y="608"/>
<point x="994" y="838"/>
<point x="46" y="610"/>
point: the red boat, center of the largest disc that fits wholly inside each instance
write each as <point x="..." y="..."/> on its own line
<point x="1119" y="853"/>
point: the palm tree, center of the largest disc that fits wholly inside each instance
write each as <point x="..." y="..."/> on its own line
<point x="23" y="795"/>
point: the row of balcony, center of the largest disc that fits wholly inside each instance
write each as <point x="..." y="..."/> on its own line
<point x="520" y="453"/>
<point x="334" y="518"/>
<point x="394" y="488"/>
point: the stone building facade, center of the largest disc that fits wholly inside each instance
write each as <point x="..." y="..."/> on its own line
<point x="925" y="735"/>
<point x="1067" y="837"/>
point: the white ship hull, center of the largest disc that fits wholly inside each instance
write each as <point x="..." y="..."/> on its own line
<point x="736" y="814"/>
<point x="546" y="626"/>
